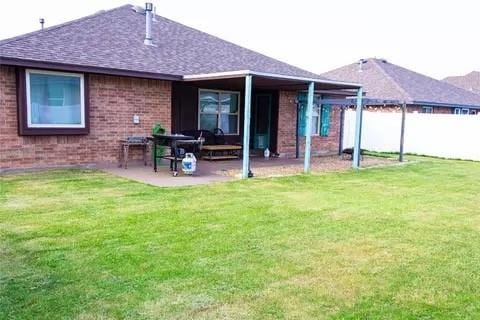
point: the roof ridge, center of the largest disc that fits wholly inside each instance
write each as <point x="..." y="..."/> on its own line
<point x="469" y="74"/>
<point x="415" y="72"/>
<point x="461" y="88"/>
<point x="61" y="25"/>
<point x="439" y="82"/>
<point x="473" y="72"/>
<point x="452" y="77"/>
<point x="395" y="83"/>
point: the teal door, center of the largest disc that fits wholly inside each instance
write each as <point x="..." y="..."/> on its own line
<point x="261" y="124"/>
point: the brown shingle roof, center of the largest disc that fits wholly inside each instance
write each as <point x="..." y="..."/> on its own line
<point x="387" y="81"/>
<point x="470" y="81"/>
<point x="114" y="39"/>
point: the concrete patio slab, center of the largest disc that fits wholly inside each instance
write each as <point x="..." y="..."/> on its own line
<point x="163" y="177"/>
<point x="221" y="171"/>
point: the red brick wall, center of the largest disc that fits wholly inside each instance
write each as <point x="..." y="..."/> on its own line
<point x="443" y="110"/>
<point x="113" y="102"/>
<point x="287" y="125"/>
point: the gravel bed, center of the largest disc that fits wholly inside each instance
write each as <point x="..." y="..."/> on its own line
<point x="318" y="164"/>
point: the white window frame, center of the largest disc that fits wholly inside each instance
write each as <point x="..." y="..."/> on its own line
<point x="319" y="121"/>
<point x="425" y="108"/>
<point x="461" y="111"/>
<point x="81" y="125"/>
<point x="218" y="113"/>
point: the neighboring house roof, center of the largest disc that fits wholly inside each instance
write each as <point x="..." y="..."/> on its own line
<point x="387" y="81"/>
<point x="470" y="81"/>
<point x="113" y="39"/>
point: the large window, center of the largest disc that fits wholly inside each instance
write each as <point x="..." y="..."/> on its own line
<point x="52" y="103"/>
<point x="55" y="99"/>
<point x="219" y="109"/>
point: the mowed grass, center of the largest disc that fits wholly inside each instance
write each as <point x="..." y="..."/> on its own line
<point x="401" y="242"/>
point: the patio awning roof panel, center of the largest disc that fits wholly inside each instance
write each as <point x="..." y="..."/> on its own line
<point x="271" y="81"/>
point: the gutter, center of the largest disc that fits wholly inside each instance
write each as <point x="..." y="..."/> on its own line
<point x="170" y="77"/>
<point x="448" y="105"/>
<point x="87" y="69"/>
<point x="380" y="102"/>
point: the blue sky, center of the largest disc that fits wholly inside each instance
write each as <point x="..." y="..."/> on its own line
<point x="437" y="38"/>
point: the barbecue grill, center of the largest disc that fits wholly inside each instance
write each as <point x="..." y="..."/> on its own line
<point x="177" y="144"/>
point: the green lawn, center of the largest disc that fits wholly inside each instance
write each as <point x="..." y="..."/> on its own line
<point x="391" y="243"/>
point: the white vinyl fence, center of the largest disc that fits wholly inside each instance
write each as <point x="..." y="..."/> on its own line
<point x="442" y="135"/>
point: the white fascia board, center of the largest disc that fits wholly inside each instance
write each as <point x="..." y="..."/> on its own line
<point x="243" y="73"/>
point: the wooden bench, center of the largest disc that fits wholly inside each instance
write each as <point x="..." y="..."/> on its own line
<point x="221" y="151"/>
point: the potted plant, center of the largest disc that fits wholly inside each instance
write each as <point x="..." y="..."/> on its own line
<point x="158" y="129"/>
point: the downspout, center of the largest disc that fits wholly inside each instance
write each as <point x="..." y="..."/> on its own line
<point x="297" y="138"/>
<point x="402" y="131"/>
<point x="342" y="125"/>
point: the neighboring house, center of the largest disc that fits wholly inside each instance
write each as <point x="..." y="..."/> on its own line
<point x="384" y="81"/>
<point x="69" y="93"/>
<point x="469" y="82"/>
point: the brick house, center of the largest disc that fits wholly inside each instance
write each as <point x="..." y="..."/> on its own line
<point x="385" y="81"/>
<point x="69" y="93"/>
<point x="469" y="82"/>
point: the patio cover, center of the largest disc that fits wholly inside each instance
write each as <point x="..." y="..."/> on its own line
<point x="245" y="79"/>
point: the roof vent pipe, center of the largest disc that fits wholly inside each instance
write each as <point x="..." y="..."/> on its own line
<point x="42" y="22"/>
<point x="148" y="23"/>
<point x="361" y="62"/>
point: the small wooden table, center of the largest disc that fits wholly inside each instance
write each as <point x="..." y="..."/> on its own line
<point x="221" y="151"/>
<point x="125" y="148"/>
